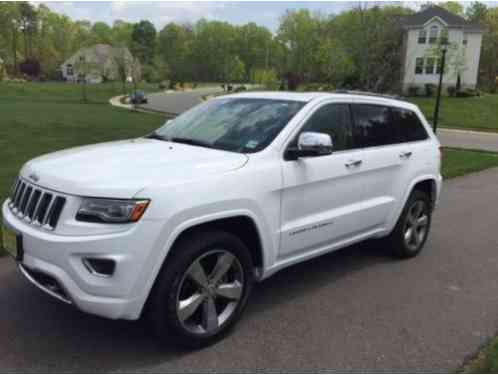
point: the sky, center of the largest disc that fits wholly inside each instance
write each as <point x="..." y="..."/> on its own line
<point x="162" y="12"/>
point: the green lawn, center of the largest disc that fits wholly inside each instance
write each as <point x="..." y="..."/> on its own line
<point x="458" y="162"/>
<point x="486" y="361"/>
<point x="477" y="113"/>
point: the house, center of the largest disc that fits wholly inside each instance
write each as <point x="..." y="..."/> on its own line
<point x="99" y="63"/>
<point x="425" y="33"/>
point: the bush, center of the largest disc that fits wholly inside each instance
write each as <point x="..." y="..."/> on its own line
<point x="452" y="91"/>
<point x="429" y="89"/>
<point x="30" y="67"/>
<point x="265" y="77"/>
<point x="240" y="88"/>
<point x="468" y="93"/>
<point x="314" y="86"/>
<point x="413" y="91"/>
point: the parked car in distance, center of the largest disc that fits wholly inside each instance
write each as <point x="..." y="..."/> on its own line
<point x="179" y="224"/>
<point x="138" y="97"/>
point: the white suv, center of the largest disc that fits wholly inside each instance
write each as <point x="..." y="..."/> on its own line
<point x="178" y="225"/>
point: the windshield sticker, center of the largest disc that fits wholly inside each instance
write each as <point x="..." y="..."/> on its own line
<point x="252" y="144"/>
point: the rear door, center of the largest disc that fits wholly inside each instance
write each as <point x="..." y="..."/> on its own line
<point x="390" y="139"/>
<point x="375" y="133"/>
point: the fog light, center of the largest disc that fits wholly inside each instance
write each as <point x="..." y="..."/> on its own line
<point x="99" y="266"/>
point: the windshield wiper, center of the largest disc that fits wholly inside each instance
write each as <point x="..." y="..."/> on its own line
<point x="188" y="141"/>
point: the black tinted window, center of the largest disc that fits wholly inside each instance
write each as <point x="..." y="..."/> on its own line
<point x="408" y="126"/>
<point x="372" y="125"/>
<point x="335" y="120"/>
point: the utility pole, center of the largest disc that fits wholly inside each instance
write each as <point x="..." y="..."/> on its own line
<point x="438" y="98"/>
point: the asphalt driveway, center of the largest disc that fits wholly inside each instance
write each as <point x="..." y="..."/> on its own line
<point x="353" y="310"/>
<point x="177" y="102"/>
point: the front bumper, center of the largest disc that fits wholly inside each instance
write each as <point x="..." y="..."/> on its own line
<point x="60" y="257"/>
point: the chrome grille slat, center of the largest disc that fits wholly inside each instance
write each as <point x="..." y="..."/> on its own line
<point x="36" y="205"/>
<point x="49" y="211"/>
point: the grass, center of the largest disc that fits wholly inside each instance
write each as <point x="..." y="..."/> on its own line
<point x="458" y="162"/>
<point x="476" y="113"/>
<point x="485" y="362"/>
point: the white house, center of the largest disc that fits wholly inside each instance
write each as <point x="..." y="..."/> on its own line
<point x="99" y="62"/>
<point x="423" y="33"/>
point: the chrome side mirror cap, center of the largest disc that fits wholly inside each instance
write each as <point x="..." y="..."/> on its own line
<point x="311" y="144"/>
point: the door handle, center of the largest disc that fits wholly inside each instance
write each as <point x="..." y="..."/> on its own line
<point x="405" y="155"/>
<point x="353" y="163"/>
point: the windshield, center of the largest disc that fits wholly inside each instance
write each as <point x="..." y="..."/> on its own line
<point x="232" y="124"/>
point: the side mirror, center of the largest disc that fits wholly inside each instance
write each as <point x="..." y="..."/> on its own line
<point x="311" y="144"/>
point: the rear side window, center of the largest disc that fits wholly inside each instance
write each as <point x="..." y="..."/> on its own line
<point x="372" y="125"/>
<point x="408" y="126"/>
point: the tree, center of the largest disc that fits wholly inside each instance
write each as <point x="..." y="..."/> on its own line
<point x="84" y="68"/>
<point x="234" y="69"/>
<point x="143" y="38"/>
<point x="123" y="61"/>
<point x="101" y="33"/>
<point x="476" y="12"/>
<point x="28" y="24"/>
<point x="175" y="50"/>
<point x="299" y="33"/>
<point x="453" y="7"/>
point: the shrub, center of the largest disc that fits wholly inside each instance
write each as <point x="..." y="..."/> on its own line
<point x="315" y="86"/>
<point x="429" y="89"/>
<point x="30" y="67"/>
<point x="451" y="90"/>
<point x="413" y="91"/>
<point x="265" y="77"/>
<point x="467" y="93"/>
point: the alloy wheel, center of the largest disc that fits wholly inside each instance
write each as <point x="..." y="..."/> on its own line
<point x="416" y="225"/>
<point x="209" y="292"/>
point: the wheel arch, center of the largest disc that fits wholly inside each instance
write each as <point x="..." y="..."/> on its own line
<point x="241" y="223"/>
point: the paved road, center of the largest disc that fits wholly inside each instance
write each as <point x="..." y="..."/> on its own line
<point x="353" y="310"/>
<point x="469" y="139"/>
<point x="178" y="102"/>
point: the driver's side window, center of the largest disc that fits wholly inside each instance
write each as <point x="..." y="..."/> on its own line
<point x="334" y="120"/>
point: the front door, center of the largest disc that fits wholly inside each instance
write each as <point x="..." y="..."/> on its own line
<point x="322" y="195"/>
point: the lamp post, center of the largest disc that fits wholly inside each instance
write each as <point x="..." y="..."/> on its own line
<point x="444" y="47"/>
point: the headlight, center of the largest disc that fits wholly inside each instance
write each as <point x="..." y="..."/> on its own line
<point x="98" y="210"/>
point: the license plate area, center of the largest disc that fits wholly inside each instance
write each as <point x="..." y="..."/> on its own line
<point x="12" y="243"/>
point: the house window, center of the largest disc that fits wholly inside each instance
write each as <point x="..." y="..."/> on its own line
<point x="69" y="70"/>
<point x="429" y="66"/>
<point x="444" y="36"/>
<point x="422" y="36"/>
<point x="419" y="65"/>
<point x="433" y="34"/>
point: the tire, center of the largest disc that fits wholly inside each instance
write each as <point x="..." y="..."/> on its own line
<point x="192" y="286"/>
<point x="416" y="215"/>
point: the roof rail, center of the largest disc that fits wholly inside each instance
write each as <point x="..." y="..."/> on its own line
<point x="367" y="93"/>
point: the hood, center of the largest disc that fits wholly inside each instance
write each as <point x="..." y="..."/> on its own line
<point x="121" y="169"/>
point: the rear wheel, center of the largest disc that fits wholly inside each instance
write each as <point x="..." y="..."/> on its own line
<point x="411" y="231"/>
<point x="203" y="289"/>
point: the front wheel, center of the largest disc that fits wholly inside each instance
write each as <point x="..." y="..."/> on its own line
<point x="412" y="229"/>
<point x="202" y="292"/>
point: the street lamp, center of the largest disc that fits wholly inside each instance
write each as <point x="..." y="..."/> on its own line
<point x="444" y="48"/>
